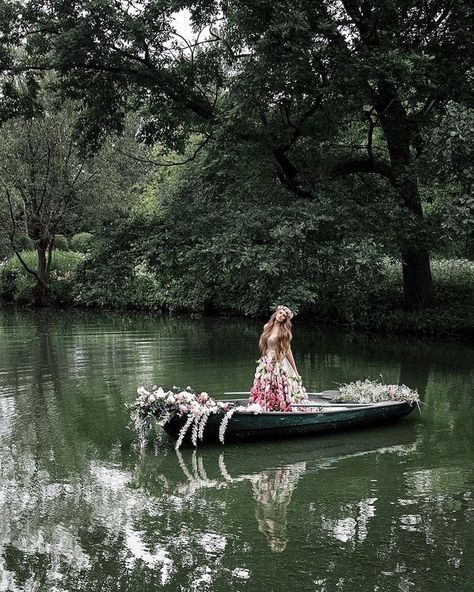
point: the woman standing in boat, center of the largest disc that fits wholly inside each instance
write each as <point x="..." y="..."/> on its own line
<point x="277" y="384"/>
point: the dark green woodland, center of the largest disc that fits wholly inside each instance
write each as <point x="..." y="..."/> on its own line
<point x="223" y="157"/>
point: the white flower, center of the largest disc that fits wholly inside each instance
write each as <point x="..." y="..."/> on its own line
<point x="368" y="391"/>
<point x="197" y="407"/>
<point x="160" y="393"/>
<point x="253" y="408"/>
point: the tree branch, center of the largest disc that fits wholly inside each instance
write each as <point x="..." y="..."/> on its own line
<point x="166" y="163"/>
<point x="348" y="167"/>
<point x="163" y="77"/>
<point x="364" y="22"/>
<point x="11" y="236"/>
<point x="371" y="123"/>
<point x="288" y="174"/>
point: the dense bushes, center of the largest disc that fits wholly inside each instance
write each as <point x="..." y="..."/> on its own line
<point x="452" y="310"/>
<point x="81" y="242"/>
<point x="61" y="243"/>
<point x="349" y="282"/>
<point x="367" y="295"/>
<point x="114" y="275"/>
<point x="16" y="283"/>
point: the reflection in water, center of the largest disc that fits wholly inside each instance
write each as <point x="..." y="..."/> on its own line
<point x="273" y="491"/>
<point x="81" y="511"/>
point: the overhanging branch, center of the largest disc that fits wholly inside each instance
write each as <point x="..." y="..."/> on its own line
<point x="166" y="163"/>
<point x="349" y="167"/>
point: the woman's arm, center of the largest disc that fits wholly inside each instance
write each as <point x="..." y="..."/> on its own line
<point x="291" y="359"/>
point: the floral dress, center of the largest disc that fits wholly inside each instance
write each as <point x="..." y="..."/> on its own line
<point x="276" y="385"/>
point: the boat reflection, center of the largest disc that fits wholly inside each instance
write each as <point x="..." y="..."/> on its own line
<point x="272" y="481"/>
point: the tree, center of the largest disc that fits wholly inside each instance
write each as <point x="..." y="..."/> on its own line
<point x="42" y="178"/>
<point x="290" y="78"/>
<point x="48" y="184"/>
<point x="449" y="180"/>
<point x="203" y="239"/>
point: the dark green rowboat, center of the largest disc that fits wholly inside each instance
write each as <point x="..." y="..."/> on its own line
<point x="327" y="416"/>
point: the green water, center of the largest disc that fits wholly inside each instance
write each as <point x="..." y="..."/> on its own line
<point x="380" y="509"/>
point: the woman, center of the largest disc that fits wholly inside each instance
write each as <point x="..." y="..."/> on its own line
<point x="277" y="385"/>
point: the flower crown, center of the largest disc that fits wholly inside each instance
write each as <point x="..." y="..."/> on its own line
<point x="285" y="309"/>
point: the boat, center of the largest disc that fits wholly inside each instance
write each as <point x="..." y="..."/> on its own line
<point x="321" y="414"/>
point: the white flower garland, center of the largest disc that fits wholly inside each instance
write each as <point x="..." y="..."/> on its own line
<point x="183" y="431"/>
<point x="202" y="424"/>
<point x="373" y="391"/>
<point x="224" y="422"/>
<point x="195" y="430"/>
<point x="164" y="405"/>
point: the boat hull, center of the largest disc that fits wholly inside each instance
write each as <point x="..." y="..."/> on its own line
<point x="249" y="426"/>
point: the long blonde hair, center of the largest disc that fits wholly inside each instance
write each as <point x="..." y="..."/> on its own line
<point x="284" y="336"/>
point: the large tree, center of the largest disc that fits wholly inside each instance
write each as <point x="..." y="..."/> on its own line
<point x="293" y="79"/>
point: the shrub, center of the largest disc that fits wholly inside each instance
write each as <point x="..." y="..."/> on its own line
<point x="110" y="283"/>
<point x="452" y="310"/>
<point x="453" y="280"/>
<point x="81" y="242"/>
<point x="8" y="280"/>
<point x="61" y="243"/>
<point x="24" y="243"/>
<point x="5" y="247"/>
<point x="16" y="283"/>
<point x="113" y="275"/>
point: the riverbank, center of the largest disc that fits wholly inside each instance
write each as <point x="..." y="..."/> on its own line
<point x="376" y="308"/>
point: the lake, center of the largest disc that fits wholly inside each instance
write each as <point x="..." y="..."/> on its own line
<point x="81" y="509"/>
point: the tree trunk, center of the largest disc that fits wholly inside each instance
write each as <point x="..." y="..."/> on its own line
<point x="398" y="131"/>
<point x="417" y="280"/>
<point x="40" y="293"/>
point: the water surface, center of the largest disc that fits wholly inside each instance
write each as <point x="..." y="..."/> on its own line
<point x="380" y="509"/>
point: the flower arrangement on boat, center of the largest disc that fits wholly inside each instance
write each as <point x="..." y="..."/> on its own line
<point x="163" y="405"/>
<point x="374" y="391"/>
<point x="195" y="409"/>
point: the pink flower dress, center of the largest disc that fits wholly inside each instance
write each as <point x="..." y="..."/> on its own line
<point x="276" y="385"/>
